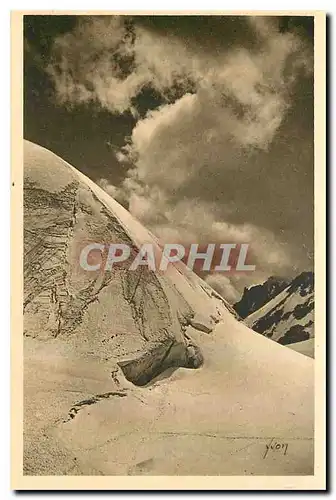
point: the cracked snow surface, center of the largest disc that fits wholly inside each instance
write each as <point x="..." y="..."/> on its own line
<point x="136" y="372"/>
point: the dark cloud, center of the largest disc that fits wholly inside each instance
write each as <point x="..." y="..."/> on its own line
<point x="204" y="33"/>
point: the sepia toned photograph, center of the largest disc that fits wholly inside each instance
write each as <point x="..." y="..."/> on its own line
<point x="168" y="245"/>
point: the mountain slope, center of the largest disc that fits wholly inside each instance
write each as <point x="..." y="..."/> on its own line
<point x="305" y="347"/>
<point x="288" y="317"/>
<point x="255" y="297"/>
<point x="107" y="381"/>
<point x="63" y="213"/>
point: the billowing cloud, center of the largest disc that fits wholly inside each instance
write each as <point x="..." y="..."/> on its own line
<point x="108" y="187"/>
<point x="223" y="286"/>
<point x="194" y="160"/>
<point x="111" y="59"/>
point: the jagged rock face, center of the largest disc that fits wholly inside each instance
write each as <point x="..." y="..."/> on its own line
<point x="255" y="297"/>
<point x="303" y="284"/>
<point x="120" y="313"/>
<point x="289" y="317"/>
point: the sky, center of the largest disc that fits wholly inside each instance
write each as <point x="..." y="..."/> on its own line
<point x="202" y="126"/>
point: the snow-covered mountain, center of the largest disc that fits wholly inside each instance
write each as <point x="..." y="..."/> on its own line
<point x="256" y="296"/>
<point x="138" y="372"/>
<point x="289" y="316"/>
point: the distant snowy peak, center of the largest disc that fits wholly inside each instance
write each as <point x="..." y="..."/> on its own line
<point x="304" y="283"/>
<point x="289" y="316"/>
<point x="257" y="296"/>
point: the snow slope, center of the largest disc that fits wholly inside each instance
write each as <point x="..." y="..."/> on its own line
<point x="305" y="347"/>
<point x="107" y="381"/>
